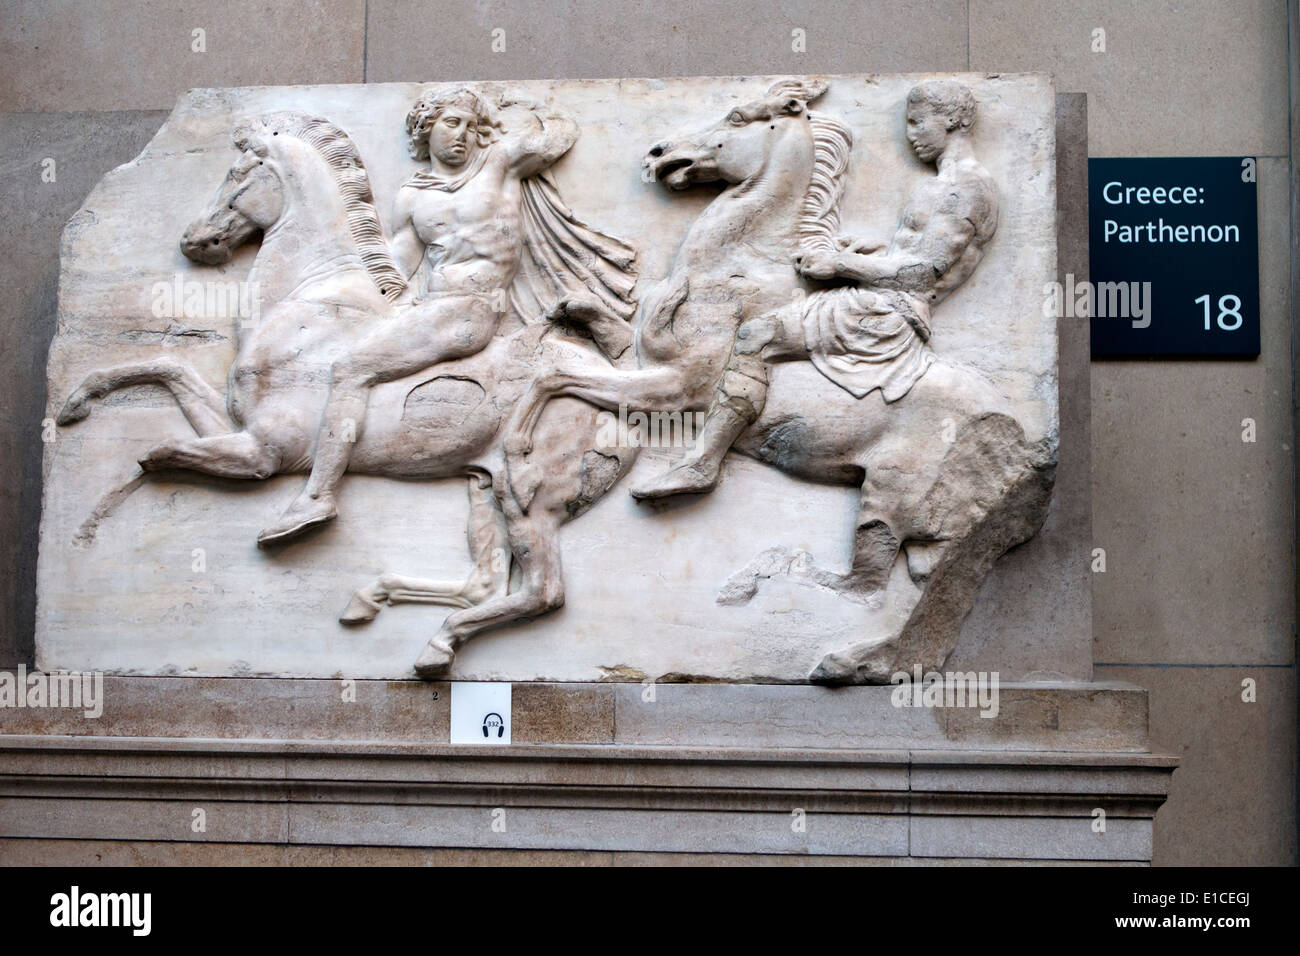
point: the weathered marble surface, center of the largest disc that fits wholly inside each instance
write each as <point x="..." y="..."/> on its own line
<point x="641" y="579"/>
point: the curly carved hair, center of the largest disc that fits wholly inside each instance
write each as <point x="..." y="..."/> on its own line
<point x="948" y="98"/>
<point x="429" y="107"/>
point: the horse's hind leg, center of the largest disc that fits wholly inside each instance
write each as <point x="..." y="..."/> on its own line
<point x="961" y="505"/>
<point x="598" y="383"/>
<point x="228" y="455"/>
<point x="232" y="455"/>
<point x="490" y="576"/>
<point x="534" y="539"/>
<point x="201" y="404"/>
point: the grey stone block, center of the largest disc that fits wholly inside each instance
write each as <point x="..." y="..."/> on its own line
<point x="1177" y="79"/>
<point x="83" y="147"/>
<point x="589" y="38"/>
<point x="1232" y="801"/>
<point x="1058" y="717"/>
<point x="122" y="54"/>
<point x="609" y="799"/>
<point x="1029" y="838"/>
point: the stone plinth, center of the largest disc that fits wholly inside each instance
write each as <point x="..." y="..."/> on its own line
<point x="703" y="770"/>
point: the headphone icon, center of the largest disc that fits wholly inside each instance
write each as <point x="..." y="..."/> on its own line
<point x="500" y="724"/>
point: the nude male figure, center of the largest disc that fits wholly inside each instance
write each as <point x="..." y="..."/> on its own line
<point x="872" y="333"/>
<point x="458" y="226"/>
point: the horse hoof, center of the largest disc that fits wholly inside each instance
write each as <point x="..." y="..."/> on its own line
<point x="737" y="591"/>
<point x="152" y="460"/>
<point x="435" y="660"/>
<point x="867" y="663"/>
<point x="360" y="610"/>
<point x="73" y="410"/>
<point x="834" y="669"/>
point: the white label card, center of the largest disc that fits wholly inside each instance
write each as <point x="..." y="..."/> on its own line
<point x="480" y="713"/>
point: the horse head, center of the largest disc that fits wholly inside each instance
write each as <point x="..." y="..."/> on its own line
<point x="291" y="160"/>
<point x="250" y="199"/>
<point x="740" y="145"/>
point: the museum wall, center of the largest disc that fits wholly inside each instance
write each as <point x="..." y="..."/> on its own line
<point x="1196" y="524"/>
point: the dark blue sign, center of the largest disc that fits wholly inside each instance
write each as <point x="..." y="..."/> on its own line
<point x="1174" y="258"/>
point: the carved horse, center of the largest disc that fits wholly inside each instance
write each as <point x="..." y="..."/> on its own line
<point x="324" y="273"/>
<point x="952" y="484"/>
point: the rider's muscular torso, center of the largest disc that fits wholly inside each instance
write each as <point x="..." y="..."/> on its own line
<point x="469" y="240"/>
<point x="941" y="234"/>
<point x="461" y="247"/>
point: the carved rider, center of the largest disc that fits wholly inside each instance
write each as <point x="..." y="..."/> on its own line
<point x="873" y="332"/>
<point x="465" y="230"/>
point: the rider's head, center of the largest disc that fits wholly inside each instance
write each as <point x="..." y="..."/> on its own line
<point x="449" y="125"/>
<point x="936" y="110"/>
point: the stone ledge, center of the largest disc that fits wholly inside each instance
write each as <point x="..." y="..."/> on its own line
<point x="1059" y="717"/>
<point x="49" y="852"/>
<point x="988" y="805"/>
<point x="703" y="769"/>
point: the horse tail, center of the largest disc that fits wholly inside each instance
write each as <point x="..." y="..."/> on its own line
<point x="107" y="504"/>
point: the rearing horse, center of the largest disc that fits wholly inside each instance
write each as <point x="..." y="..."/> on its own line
<point x="324" y="274"/>
<point x="951" y="505"/>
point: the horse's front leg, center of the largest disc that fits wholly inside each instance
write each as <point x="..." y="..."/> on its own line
<point x="489" y="547"/>
<point x="661" y="388"/>
<point x="203" y="405"/>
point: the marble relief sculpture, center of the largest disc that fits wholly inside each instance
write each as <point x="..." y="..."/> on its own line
<point x="341" y="321"/>
<point x="484" y="330"/>
<point x="940" y="460"/>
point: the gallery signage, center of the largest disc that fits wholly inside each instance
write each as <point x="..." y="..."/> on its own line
<point x="1174" y="258"/>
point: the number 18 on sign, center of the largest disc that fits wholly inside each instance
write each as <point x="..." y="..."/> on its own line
<point x="1174" y="258"/>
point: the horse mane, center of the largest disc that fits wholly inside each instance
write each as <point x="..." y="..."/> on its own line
<point x="344" y="161"/>
<point x="819" y="220"/>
